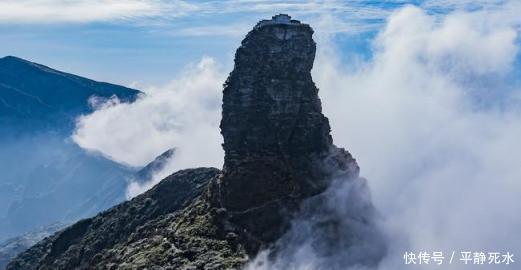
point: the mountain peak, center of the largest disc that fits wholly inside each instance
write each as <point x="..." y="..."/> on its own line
<point x="32" y="94"/>
<point x="277" y="143"/>
<point x="11" y="58"/>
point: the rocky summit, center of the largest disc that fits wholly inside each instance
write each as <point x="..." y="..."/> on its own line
<point x="278" y="153"/>
<point x="277" y="143"/>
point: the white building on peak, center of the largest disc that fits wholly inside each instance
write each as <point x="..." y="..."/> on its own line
<point x="278" y="19"/>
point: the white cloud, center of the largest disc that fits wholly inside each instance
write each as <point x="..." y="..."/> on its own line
<point x="438" y="162"/>
<point x="82" y="11"/>
<point x="184" y="114"/>
<point x="225" y="18"/>
<point x="231" y="30"/>
<point x="461" y="4"/>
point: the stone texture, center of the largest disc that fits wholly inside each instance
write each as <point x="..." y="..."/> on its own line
<point x="277" y="142"/>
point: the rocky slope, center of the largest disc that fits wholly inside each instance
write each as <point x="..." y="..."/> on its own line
<point x="278" y="155"/>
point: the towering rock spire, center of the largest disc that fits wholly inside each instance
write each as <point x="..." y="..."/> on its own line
<point x="278" y="150"/>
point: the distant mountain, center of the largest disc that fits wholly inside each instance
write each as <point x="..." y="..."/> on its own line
<point x="158" y="164"/>
<point x="34" y="94"/>
<point x="63" y="186"/>
<point x="45" y="177"/>
<point x="103" y="190"/>
<point x="13" y="246"/>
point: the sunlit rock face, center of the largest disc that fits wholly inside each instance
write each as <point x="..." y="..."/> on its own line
<point x="277" y="142"/>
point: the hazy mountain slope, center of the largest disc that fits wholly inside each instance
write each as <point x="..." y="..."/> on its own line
<point x="120" y="226"/>
<point x="93" y="185"/>
<point x="68" y="185"/>
<point x="13" y="246"/>
<point x="44" y="176"/>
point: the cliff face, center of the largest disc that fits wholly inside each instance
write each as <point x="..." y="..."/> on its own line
<point x="277" y="142"/>
<point x="278" y="153"/>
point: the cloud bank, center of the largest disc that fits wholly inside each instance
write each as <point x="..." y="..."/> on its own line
<point x="232" y="16"/>
<point x="432" y="118"/>
<point x="184" y="114"/>
<point x="85" y="11"/>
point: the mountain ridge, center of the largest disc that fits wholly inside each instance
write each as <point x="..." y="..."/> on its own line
<point x="38" y="96"/>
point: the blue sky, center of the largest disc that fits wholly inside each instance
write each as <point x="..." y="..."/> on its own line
<point x="398" y="84"/>
<point x="149" y="41"/>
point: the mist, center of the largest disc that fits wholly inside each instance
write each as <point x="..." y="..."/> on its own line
<point x="47" y="179"/>
<point x="433" y="124"/>
<point x="183" y="114"/>
<point x="338" y="229"/>
<point x="429" y="116"/>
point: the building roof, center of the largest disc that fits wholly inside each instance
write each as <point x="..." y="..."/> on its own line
<point x="278" y="19"/>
